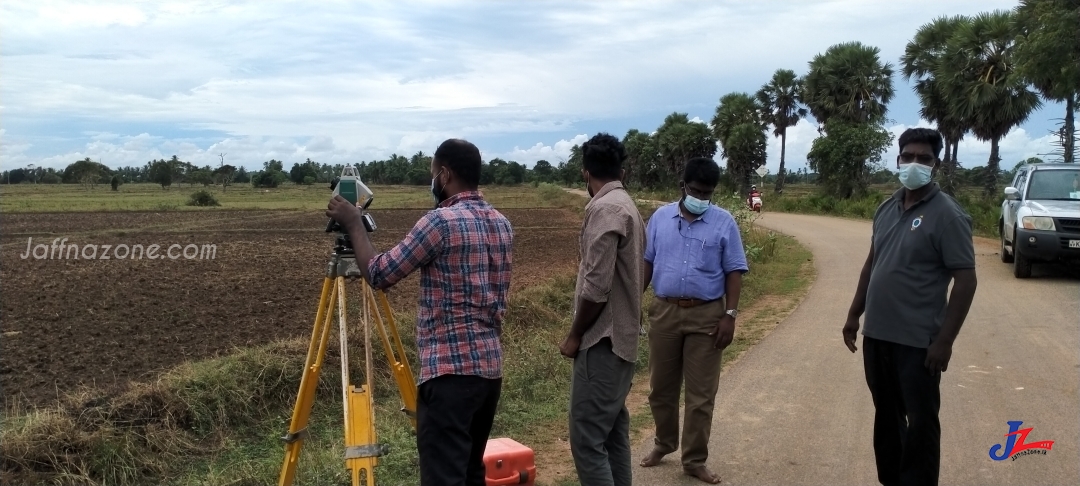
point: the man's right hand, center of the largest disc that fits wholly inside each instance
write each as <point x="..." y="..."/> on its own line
<point x="851" y="331"/>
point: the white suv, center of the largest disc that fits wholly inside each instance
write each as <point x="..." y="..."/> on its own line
<point x="1040" y="217"/>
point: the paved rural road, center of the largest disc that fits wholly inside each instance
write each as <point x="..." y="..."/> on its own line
<point x="795" y="409"/>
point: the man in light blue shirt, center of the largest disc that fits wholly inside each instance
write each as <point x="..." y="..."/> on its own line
<point x="695" y="260"/>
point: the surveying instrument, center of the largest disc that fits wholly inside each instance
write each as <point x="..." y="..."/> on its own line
<point x="361" y="447"/>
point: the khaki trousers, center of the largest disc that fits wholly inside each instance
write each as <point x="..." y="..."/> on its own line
<point x="681" y="349"/>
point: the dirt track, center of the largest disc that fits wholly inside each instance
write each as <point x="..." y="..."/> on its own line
<point x="796" y="410"/>
<point x="69" y="322"/>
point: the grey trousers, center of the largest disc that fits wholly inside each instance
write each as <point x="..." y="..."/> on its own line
<point x="599" y="421"/>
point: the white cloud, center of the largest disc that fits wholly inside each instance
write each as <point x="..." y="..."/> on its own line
<point x="559" y="152"/>
<point x="130" y="82"/>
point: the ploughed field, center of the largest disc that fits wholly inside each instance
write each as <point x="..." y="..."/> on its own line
<point x="69" y="322"/>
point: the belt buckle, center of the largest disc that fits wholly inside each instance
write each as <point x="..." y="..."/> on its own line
<point x="685" y="303"/>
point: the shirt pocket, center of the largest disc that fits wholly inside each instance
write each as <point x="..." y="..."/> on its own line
<point x="708" y="258"/>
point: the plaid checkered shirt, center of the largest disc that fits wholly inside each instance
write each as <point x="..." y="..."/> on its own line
<point x="463" y="250"/>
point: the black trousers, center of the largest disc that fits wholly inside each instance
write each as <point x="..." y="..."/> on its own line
<point x="907" y="397"/>
<point x="454" y="414"/>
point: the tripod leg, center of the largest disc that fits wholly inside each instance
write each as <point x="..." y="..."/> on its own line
<point x="395" y="352"/>
<point x="308" y="383"/>
<point x="361" y="449"/>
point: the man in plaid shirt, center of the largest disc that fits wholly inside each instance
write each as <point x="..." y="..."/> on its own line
<point x="463" y="250"/>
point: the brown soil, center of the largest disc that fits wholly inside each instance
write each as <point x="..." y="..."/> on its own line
<point x="75" y="322"/>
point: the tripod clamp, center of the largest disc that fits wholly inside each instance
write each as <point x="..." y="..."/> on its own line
<point x="343" y="260"/>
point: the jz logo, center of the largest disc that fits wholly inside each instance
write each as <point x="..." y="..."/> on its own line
<point x="1015" y="445"/>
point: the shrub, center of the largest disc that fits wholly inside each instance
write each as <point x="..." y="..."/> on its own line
<point x="203" y="198"/>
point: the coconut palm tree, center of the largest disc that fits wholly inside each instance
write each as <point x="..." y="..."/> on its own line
<point x="921" y="61"/>
<point x="983" y="88"/>
<point x="779" y="99"/>
<point x="848" y="84"/>
<point x="740" y="129"/>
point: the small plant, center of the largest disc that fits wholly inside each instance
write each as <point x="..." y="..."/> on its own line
<point x="203" y="198"/>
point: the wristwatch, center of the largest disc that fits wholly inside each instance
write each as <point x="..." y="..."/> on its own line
<point x="733" y="313"/>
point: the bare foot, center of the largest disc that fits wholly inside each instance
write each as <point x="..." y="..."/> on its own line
<point x="704" y="474"/>
<point x="652" y="459"/>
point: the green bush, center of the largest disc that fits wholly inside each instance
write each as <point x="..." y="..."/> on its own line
<point x="984" y="211"/>
<point x="203" y="198"/>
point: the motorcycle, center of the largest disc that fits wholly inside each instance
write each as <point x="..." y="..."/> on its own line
<point x="754" y="202"/>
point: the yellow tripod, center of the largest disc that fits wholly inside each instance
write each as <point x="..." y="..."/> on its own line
<point x="361" y="447"/>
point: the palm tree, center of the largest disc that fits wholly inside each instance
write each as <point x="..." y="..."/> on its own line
<point x="981" y="83"/>
<point x="779" y="101"/>
<point x="848" y="84"/>
<point x="921" y="60"/>
<point x="1048" y="56"/>
<point x="739" y="128"/>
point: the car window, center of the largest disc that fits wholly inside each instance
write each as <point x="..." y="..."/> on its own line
<point x="1020" y="180"/>
<point x="1016" y="180"/>
<point x="1054" y="184"/>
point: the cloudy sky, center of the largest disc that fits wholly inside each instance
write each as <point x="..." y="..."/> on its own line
<point x="124" y="83"/>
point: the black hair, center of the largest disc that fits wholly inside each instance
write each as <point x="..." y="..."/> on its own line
<point x="928" y="136"/>
<point x="603" y="156"/>
<point x="703" y="170"/>
<point x="463" y="158"/>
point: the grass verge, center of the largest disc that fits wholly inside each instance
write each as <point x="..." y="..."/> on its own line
<point x="984" y="211"/>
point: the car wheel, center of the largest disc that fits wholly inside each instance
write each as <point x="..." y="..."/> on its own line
<point x="1021" y="265"/>
<point x="1005" y="256"/>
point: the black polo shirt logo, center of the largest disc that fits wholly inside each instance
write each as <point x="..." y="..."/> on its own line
<point x="916" y="222"/>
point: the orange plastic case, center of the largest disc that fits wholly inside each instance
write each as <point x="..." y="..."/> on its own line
<point x="507" y="462"/>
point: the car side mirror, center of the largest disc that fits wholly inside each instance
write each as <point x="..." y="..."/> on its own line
<point x="1012" y="193"/>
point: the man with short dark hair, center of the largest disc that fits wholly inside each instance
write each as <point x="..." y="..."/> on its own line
<point x="695" y="260"/>
<point x="463" y="251"/>
<point x="921" y="241"/>
<point x="603" y="338"/>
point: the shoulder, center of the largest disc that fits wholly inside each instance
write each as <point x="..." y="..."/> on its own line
<point x="666" y="211"/>
<point x="722" y="215"/>
<point x="437" y="218"/>
<point x="951" y="211"/>
<point x="613" y="203"/>
<point x="951" y="207"/>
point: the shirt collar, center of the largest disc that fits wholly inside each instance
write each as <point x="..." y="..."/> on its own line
<point x="462" y="196"/>
<point x="611" y="186"/>
<point x="934" y="190"/>
<point x="703" y="217"/>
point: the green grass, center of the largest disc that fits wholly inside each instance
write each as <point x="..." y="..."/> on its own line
<point x="806" y="199"/>
<point x="151" y="197"/>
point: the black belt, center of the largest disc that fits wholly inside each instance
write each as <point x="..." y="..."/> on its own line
<point x="686" y="302"/>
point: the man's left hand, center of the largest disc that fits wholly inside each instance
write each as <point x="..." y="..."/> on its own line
<point x="724" y="333"/>
<point x="344" y="212"/>
<point x="937" y="356"/>
<point x="570" y="345"/>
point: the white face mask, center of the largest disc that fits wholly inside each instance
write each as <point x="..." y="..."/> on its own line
<point x="913" y="176"/>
